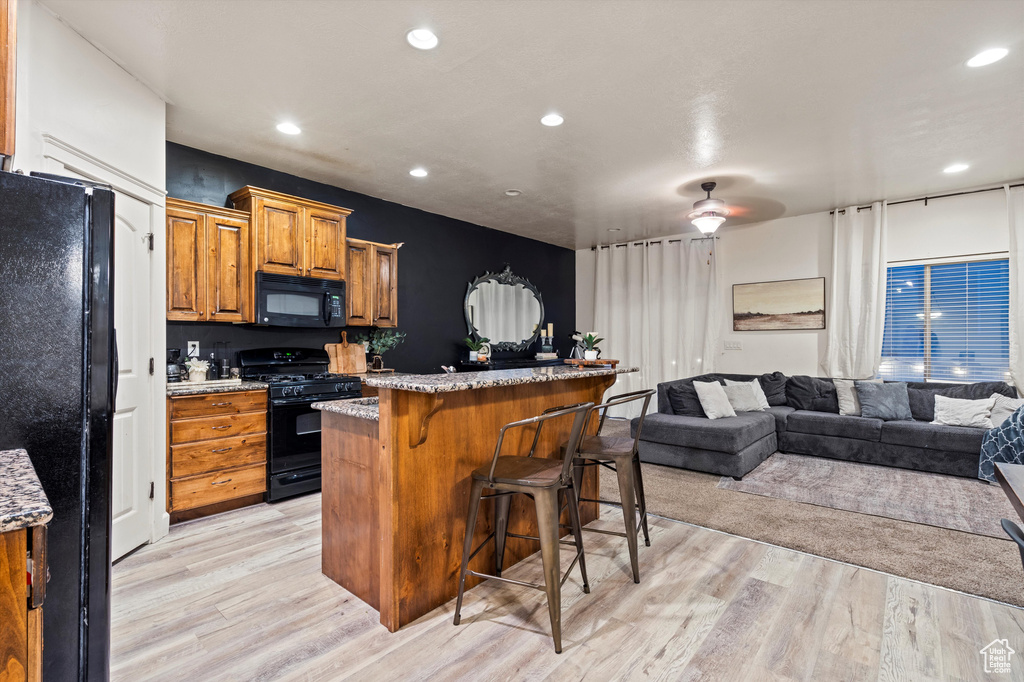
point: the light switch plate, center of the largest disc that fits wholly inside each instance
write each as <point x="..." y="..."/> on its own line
<point x="733" y="345"/>
<point x="193" y="349"/>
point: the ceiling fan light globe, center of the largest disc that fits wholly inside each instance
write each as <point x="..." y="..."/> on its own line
<point x="708" y="223"/>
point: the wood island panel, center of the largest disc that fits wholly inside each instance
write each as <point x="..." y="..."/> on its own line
<point x="427" y="446"/>
<point x="14" y="663"/>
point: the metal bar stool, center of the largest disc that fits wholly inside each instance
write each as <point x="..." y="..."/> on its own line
<point x="621" y="455"/>
<point x="544" y="480"/>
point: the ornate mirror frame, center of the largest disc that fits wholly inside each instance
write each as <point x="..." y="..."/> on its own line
<point x="504" y="277"/>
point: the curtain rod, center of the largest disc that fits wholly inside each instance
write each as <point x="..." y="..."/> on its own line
<point x="842" y="211"/>
<point x="649" y="242"/>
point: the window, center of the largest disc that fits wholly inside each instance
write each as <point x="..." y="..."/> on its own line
<point x="947" y="322"/>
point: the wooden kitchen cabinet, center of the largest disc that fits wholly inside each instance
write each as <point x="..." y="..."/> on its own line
<point x="8" y="69"/>
<point x="21" y="612"/>
<point x="294" y="236"/>
<point x="208" y="273"/>
<point x="372" y="288"/>
<point x="217" y="452"/>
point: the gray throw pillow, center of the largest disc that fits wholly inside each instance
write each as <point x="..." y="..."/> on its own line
<point x="889" y="402"/>
<point x="846" y="392"/>
<point x="742" y="396"/>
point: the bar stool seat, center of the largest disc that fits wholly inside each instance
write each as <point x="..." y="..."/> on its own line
<point x="546" y="481"/>
<point x="524" y="471"/>
<point x="606" y="446"/>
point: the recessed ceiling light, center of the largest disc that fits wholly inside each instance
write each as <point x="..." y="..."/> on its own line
<point x="418" y="172"/>
<point x="422" y="39"/>
<point x="552" y="120"/>
<point x="988" y="57"/>
<point x="289" y="128"/>
<point x="513" y="192"/>
<point x="955" y="168"/>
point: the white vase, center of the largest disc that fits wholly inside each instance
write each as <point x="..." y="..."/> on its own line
<point x="590" y="355"/>
<point x="197" y="375"/>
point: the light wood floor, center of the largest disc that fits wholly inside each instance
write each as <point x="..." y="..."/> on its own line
<point x="240" y="596"/>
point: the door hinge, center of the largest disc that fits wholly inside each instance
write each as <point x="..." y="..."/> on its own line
<point x="152" y="366"/>
<point x="152" y="490"/>
<point x="149" y="238"/>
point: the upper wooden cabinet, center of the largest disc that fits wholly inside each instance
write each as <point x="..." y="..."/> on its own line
<point x="208" y="273"/>
<point x="294" y="236"/>
<point x="371" y="293"/>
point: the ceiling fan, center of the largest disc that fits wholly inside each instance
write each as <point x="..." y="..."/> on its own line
<point x="708" y="214"/>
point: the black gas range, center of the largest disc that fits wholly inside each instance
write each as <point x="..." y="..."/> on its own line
<point x="298" y="377"/>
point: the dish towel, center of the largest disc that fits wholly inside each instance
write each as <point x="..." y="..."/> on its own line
<point x="1004" y="443"/>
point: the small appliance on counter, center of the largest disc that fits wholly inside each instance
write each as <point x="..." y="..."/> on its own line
<point x="174" y="367"/>
<point x="298" y="377"/>
<point x="292" y="301"/>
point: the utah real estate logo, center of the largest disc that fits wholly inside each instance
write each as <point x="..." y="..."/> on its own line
<point x="997" y="656"/>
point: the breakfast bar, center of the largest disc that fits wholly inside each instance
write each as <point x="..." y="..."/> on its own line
<point x="396" y="474"/>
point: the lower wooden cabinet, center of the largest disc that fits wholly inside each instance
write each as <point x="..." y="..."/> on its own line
<point x="372" y="287"/>
<point x="21" y="619"/>
<point x="217" y="450"/>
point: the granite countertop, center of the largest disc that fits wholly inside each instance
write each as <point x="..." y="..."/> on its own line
<point x="362" y="408"/>
<point x="188" y="388"/>
<point x="463" y="381"/>
<point x="22" y="501"/>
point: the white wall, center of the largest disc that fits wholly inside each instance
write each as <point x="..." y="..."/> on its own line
<point x="801" y="246"/>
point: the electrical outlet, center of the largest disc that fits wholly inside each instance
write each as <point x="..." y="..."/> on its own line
<point x="193" y="349"/>
<point x="733" y="345"/>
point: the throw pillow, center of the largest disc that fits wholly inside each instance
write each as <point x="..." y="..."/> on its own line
<point x="958" y="412"/>
<point x="713" y="399"/>
<point x="742" y="396"/>
<point x="810" y="393"/>
<point x="684" y="401"/>
<point x="889" y="402"/>
<point x="1004" y="407"/>
<point x="846" y="393"/>
<point x="755" y="386"/>
<point x="774" y="387"/>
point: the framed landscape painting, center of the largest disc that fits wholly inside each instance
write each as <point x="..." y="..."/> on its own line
<point x="772" y="306"/>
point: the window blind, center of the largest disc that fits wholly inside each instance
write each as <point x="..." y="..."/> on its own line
<point x="947" y="322"/>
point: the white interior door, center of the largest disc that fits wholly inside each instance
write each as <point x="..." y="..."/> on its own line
<point x="131" y="507"/>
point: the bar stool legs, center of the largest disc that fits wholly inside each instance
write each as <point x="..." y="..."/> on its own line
<point x="638" y="477"/>
<point x="475" y="494"/>
<point x="501" y="509"/>
<point x="627" y="494"/>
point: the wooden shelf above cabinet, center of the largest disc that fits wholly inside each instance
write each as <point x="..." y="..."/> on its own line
<point x="208" y="273"/>
<point x="372" y="288"/>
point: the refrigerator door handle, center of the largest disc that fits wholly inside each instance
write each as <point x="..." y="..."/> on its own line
<point x="117" y="366"/>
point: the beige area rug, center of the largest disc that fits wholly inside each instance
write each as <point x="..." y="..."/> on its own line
<point x="970" y="505"/>
<point x="975" y="564"/>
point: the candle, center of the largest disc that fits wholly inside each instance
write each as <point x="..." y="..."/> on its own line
<point x="551" y="329"/>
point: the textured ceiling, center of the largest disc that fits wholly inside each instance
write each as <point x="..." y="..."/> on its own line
<point x="793" y="107"/>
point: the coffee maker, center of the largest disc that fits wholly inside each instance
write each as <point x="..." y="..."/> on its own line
<point x="173" y="365"/>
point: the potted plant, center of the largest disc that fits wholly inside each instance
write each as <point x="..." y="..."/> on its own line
<point x="197" y="369"/>
<point x="379" y="342"/>
<point x="590" y="349"/>
<point x="477" y="348"/>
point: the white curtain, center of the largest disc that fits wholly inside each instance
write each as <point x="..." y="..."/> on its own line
<point x="1015" y="209"/>
<point x="856" y="311"/>
<point x="656" y="305"/>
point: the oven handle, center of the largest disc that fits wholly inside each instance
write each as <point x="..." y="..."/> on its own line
<point x="309" y="400"/>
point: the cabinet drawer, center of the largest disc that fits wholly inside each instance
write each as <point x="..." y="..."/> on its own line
<point x="198" y="458"/>
<point x="188" y="430"/>
<point x="218" y="403"/>
<point x="199" y="491"/>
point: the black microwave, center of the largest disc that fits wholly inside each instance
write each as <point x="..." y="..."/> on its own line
<point x="290" y="301"/>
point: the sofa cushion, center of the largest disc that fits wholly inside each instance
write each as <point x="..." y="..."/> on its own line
<point x="887" y="401"/>
<point x="828" y="424"/>
<point x="922" y="395"/>
<point x="811" y="393"/>
<point x="781" y="413"/>
<point x="684" y="400"/>
<point x="774" y="386"/>
<point x="730" y="434"/>
<point x="933" y="436"/>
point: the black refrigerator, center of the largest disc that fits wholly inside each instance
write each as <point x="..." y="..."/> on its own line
<point x="58" y="367"/>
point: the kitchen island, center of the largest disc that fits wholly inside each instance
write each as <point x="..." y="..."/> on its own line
<point x="396" y="477"/>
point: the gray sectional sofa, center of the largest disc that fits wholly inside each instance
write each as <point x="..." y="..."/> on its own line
<point x="803" y="418"/>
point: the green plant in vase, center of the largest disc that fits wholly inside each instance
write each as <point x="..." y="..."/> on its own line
<point x="477" y="348"/>
<point x="590" y="348"/>
<point x="378" y="342"/>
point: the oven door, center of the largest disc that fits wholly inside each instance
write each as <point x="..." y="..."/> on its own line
<point x="286" y="301"/>
<point x="294" y="434"/>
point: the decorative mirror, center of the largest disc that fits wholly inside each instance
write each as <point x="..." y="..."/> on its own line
<point x="505" y="308"/>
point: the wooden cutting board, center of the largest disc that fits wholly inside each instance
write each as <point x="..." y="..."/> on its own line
<point x="346" y="358"/>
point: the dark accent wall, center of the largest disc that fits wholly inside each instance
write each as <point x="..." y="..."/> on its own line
<point x="440" y="257"/>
